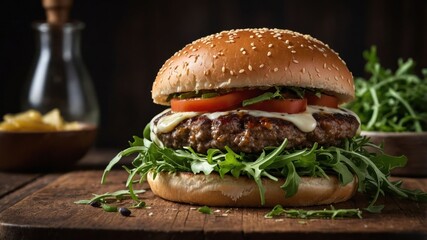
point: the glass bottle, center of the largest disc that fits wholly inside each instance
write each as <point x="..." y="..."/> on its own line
<point x="59" y="78"/>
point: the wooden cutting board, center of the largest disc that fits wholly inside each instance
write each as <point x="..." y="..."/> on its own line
<point x="51" y="214"/>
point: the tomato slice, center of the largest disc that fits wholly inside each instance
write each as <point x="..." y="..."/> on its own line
<point x="280" y="105"/>
<point x="324" y="100"/>
<point x="220" y="103"/>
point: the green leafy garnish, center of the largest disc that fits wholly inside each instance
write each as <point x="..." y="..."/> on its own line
<point x="140" y="204"/>
<point x="391" y="101"/>
<point x="205" y="210"/>
<point x="193" y="94"/>
<point x="210" y="95"/>
<point x="106" y="197"/>
<point x="263" y="97"/>
<point x="113" y="197"/>
<point x="109" y="208"/>
<point x="372" y="168"/>
<point x="279" y="93"/>
<point x="332" y="213"/>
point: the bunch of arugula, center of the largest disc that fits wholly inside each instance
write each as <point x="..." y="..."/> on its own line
<point x="372" y="169"/>
<point x="391" y="101"/>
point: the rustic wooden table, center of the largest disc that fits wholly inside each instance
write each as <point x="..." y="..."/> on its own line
<point x="40" y="206"/>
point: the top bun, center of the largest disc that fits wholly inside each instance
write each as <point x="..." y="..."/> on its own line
<point x="254" y="58"/>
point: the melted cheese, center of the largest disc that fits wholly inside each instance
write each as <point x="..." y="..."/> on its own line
<point x="303" y="121"/>
<point x="169" y="122"/>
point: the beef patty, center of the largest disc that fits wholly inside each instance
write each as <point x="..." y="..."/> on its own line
<point x="246" y="133"/>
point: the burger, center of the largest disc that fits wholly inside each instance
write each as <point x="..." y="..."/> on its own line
<point x="254" y="120"/>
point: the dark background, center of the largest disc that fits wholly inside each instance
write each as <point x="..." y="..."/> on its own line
<point x="126" y="42"/>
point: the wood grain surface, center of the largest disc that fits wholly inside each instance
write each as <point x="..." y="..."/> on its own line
<point x="50" y="213"/>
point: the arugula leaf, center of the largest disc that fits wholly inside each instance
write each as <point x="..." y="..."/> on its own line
<point x="390" y="101"/>
<point x="205" y="210"/>
<point x="333" y="213"/>
<point x="230" y="163"/>
<point x="263" y="97"/>
<point x="292" y="181"/>
<point x="193" y="94"/>
<point x="276" y="211"/>
<point x="104" y="198"/>
<point x="147" y="131"/>
<point x="210" y="95"/>
<point x="202" y="166"/>
<point x="256" y="169"/>
<point x="109" y="208"/>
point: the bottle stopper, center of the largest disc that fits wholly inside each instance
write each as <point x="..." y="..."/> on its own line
<point x="57" y="11"/>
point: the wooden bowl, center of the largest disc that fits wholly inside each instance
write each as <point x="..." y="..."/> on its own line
<point x="412" y="145"/>
<point x="44" y="151"/>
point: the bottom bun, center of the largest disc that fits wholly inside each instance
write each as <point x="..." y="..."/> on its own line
<point x="212" y="190"/>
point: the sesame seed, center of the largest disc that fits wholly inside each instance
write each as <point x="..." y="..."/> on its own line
<point x="287" y="41"/>
<point x="244" y="52"/>
<point x="212" y="45"/>
<point x="251" y="36"/>
<point x="261" y="66"/>
<point x="329" y="68"/>
<point x="317" y="70"/>
<point x="270" y="45"/>
<point x="276" y="69"/>
<point x="290" y="46"/>
<point x="303" y="70"/>
<point x="295" y="61"/>
<point x="223" y="69"/>
<point x="293" y="51"/>
<point x="241" y="70"/>
<point x="231" y="73"/>
<point x="252" y="44"/>
<point x="324" y="65"/>
<point x="302" y="45"/>
<point x="269" y="54"/>
<point x="215" y="56"/>
<point x="250" y="67"/>
<point x="336" y="78"/>
<point x="325" y="55"/>
<point x="333" y="65"/>
<point x="242" y="49"/>
<point x="253" y="48"/>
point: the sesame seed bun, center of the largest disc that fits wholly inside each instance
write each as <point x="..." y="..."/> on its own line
<point x="254" y="58"/>
<point x="212" y="190"/>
